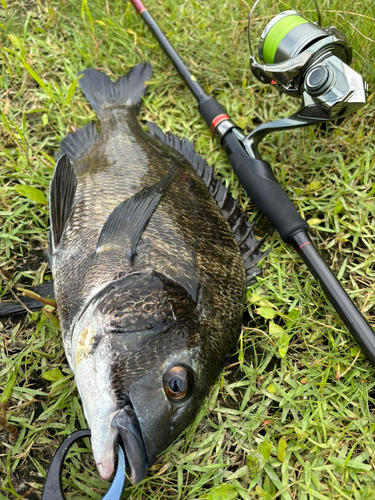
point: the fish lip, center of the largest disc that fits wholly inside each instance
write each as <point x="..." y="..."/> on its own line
<point x="126" y="423"/>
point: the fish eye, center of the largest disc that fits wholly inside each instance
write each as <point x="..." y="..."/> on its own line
<point x="178" y="383"/>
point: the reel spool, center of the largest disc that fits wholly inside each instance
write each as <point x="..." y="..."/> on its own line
<point x="301" y="58"/>
<point x="289" y="34"/>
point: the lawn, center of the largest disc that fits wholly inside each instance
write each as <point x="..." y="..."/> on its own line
<point x="292" y="416"/>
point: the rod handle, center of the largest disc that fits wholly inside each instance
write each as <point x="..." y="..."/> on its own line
<point x="257" y="179"/>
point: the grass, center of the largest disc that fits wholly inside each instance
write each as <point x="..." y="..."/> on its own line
<point x="293" y="417"/>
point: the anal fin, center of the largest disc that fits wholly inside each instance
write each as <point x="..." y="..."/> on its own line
<point x="128" y="220"/>
<point x="62" y="191"/>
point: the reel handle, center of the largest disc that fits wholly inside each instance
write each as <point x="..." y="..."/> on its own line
<point x="257" y="179"/>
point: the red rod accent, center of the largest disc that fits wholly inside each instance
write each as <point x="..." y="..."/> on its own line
<point x="303" y="244"/>
<point x="217" y="120"/>
<point x="139" y="6"/>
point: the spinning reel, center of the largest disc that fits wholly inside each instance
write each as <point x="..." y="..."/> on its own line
<point x="301" y="58"/>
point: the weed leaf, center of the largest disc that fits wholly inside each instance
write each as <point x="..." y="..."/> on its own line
<point x="31" y="193"/>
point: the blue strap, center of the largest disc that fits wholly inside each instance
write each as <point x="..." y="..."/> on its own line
<point x="118" y="483"/>
<point x="53" y="489"/>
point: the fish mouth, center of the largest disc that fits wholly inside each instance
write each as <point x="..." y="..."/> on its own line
<point x="126" y="423"/>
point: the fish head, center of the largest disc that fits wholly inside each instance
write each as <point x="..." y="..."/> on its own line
<point x="147" y="370"/>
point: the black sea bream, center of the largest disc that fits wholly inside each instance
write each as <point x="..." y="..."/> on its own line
<point x="147" y="251"/>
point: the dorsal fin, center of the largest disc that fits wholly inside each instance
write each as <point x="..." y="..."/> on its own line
<point x="78" y="142"/>
<point x="128" y="220"/>
<point x="242" y="230"/>
<point x="61" y="196"/>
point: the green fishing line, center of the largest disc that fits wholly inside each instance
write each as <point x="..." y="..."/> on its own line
<point x="277" y="33"/>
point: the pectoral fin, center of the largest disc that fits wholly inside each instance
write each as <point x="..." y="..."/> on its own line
<point x="128" y="220"/>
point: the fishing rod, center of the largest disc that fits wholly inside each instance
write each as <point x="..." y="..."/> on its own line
<point x="301" y="59"/>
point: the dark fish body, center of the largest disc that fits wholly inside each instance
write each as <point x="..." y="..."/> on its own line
<point x="148" y="277"/>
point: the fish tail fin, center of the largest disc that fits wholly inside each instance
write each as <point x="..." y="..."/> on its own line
<point x="129" y="89"/>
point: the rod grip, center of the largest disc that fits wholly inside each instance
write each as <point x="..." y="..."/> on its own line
<point x="257" y="178"/>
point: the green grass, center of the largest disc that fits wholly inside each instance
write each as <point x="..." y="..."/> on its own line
<point x="293" y="418"/>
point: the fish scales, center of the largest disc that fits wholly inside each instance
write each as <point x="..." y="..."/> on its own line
<point x="148" y="277"/>
<point x="103" y="184"/>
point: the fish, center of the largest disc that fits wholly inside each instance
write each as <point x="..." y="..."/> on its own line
<point x="151" y="258"/>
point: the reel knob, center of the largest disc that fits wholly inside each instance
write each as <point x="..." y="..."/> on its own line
<point x="318" y="80"/>
<point x="335" y="87"/>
